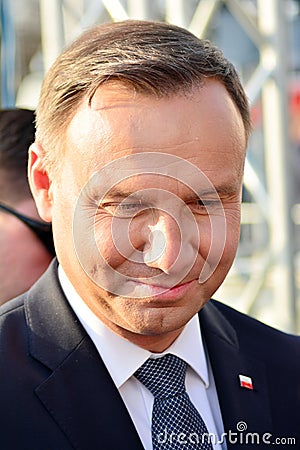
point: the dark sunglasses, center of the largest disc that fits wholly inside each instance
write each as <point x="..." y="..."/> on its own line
<point x="42" y="230"/>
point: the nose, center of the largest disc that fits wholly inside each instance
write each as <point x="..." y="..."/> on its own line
<point x="171" y="245"/>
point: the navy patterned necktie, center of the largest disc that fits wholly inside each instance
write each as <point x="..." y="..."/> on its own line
<point x="176" y="424"/>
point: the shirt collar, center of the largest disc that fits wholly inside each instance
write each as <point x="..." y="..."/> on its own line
<point x="121" y="357"/>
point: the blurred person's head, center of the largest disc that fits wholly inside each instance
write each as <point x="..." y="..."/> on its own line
<point x="25" y="241"/>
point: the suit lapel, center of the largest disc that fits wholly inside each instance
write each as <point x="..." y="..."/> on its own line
<point x="228" y="361"/>
<point x="79" y="394"/>
<point x="81" y="397"/>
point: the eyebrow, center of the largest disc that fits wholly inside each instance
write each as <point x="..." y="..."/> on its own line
<point x="117" y="193"/>
<point x="226" y="189"/>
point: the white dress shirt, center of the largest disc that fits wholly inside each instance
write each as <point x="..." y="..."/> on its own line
<point x="122" y="358"/>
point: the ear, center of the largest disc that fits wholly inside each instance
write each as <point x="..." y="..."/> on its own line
<point x="40" y="182"/>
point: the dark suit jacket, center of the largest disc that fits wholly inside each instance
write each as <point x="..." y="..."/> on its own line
<point x="56" y="394"/>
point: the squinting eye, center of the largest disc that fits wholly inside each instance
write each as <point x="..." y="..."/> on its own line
<point x="124" y="210"/>
<point x="203" y="206"/>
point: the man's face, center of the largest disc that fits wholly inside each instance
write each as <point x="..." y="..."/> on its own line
<point x="146" y="209"/>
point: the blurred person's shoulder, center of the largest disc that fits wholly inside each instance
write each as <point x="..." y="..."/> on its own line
<point x="12" y="323"/>
<point x="15" y="314"/>
<point x="12" y="307"/>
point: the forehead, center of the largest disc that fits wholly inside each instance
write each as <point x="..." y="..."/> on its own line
<point x="152" y="175"/>
<point x="202" y="126"/>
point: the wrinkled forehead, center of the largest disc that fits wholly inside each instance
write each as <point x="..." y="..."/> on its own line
<point x="128" y="136"/>
<point x="117" y="114"/>
<point x="149" y="175"/>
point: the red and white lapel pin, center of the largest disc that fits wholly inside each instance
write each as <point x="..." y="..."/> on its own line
<point x="246" y="382"/>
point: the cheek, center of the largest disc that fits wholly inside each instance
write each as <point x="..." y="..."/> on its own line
<point x="62" y="215"/>
<point x="122" y="240"/>
<point x="62" y="232"/>
<point x="112" y="241"/>
<point x="212" y="231"/>
<point x="232" y="235"/>
<point x="218" y="250"/>
<point x="219" y="237"/>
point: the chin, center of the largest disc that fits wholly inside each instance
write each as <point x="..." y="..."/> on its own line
<point x="157" y="321"/>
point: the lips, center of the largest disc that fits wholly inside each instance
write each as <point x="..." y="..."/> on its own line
<point x="161" y="292"/>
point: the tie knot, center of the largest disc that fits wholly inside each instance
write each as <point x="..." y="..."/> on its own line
<point x="164" y="377"/>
